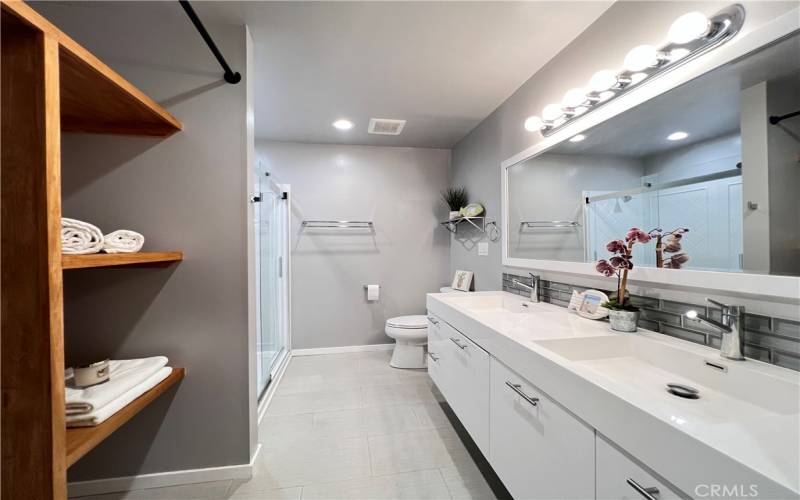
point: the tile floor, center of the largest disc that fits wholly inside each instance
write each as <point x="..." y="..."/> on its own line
<point x="348" y="426"/>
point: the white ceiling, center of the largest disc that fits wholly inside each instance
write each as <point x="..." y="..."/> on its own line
<point x="443" y="66"/>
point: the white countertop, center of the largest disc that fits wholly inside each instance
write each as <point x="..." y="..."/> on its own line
<point x="745" y="428"/>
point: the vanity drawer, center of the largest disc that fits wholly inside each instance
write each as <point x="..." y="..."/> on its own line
<point x="436" y="358"/>
<point x="621" y="478"/>
<point x="463" y="371"/>
<point x="539" y="450"/>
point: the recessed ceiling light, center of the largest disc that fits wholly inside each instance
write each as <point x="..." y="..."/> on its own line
<point x="343" y="124"/>
<point x="577" y="138"/>
<point x="677" y="136"/>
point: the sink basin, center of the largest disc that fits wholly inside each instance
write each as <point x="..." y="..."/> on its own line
<point x="491" y="302"/>
<point x="642" y="367"/>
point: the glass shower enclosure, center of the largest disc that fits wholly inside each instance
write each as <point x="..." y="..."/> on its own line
<point x="271" y="217"/>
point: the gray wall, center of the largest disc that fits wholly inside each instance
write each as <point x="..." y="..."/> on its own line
<point x="550" y="187"/>
<point x="476" y="159"/>
<point x="187" y="192"/>
<point x="396" y="188"/>
<point x="702" y="158"/>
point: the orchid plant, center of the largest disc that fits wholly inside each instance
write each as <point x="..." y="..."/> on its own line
<point x="619" y="265"/>
<point x="670" y="243"/>
<point x="622" y="260"/>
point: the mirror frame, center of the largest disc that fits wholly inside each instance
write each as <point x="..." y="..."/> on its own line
<point x="785" y="287"/>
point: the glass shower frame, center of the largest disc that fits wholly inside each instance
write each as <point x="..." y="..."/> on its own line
<point x="273" y="337"/>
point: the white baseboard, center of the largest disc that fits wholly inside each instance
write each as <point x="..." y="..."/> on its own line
<point x="339" y="350"/>
<point x="273" y="386"/>
<point x="162" y="479"/>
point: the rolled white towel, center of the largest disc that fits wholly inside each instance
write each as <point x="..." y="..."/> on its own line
<point x="78" y="237"/>
<point x="99" y="415"/>
<point x="123" y="241"/>
<point x="124" y="374"/>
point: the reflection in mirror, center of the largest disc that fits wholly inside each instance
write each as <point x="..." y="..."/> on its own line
<point x="703" y="156"/>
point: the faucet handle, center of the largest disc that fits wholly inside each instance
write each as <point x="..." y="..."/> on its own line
<point x="724" y="307"/>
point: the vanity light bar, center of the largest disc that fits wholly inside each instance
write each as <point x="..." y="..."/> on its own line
<point x="689" y="36"/>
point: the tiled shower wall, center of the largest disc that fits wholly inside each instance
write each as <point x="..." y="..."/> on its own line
<point x="769" y="339"/>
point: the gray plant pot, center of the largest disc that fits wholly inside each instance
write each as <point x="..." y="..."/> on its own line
<point x="623" y="321"/>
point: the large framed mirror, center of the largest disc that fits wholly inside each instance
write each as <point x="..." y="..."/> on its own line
<point x="700" y="159"/>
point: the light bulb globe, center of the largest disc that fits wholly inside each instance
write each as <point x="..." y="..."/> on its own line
<point x="641" y="57"/>
<point x="688" y="27"/>
<point x="533" y="124"/>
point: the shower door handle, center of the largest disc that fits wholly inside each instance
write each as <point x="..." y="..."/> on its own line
<point x="280" y="267"/>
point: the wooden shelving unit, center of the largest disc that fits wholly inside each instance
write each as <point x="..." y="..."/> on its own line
<point x="51" y="84"/>
<point x="80" y="440"/>
<point x="141" y="259"/>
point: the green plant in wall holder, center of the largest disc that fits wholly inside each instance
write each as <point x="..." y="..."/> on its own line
<point x="455" y="198"/>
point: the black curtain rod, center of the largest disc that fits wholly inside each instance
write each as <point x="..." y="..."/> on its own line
<point x="777" y="119"/>
<point x="230" y="76"/>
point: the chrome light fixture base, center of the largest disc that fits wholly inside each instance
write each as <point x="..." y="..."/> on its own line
<point x="724" y="25"/>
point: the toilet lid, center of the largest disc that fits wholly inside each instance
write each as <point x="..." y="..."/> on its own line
<point x="408" y="322"/>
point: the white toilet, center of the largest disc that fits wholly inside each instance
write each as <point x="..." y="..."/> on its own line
<point x="411" y="338"/>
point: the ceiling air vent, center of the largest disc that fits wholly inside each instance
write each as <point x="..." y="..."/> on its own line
<point x="385" y="126"/>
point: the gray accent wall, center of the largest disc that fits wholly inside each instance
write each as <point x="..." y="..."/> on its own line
<point x="407" y="253"/>
<point x="186" y="192"/>
<point x="476" y="158"/>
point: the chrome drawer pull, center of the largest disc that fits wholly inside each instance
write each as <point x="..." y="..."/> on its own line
<point x="459" y="344"/>
<point x="645" y="492"/>
<point x="433" y="320"/>
<point x="518" y="389"/>
<point x="433" y="356"/>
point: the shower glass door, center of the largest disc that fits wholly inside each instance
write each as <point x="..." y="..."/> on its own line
<point x="272" y="230"/>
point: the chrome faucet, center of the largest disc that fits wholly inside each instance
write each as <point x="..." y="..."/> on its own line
<point x="533" y="287"/>
<point x="731" y="326"/>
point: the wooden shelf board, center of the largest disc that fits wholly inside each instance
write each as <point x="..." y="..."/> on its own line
<point x="140" y="259"/>
<point x="95" y="98"/>
<point x="81" y="440"/>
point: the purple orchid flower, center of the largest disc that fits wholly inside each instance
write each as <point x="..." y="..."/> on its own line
<point x="604" y="268"/>
<point x="636" y="234"/>
<point x="676" y="261"/>
<point x="621" y="262"/>
<point x="616" y="246"/>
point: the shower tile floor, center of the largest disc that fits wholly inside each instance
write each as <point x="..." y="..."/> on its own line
<point x="348" y="426"/>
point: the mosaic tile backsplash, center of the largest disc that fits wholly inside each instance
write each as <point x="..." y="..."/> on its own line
<point x="769" y="339"/>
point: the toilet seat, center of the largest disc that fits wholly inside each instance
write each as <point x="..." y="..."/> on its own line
<point x="408" y="322"/>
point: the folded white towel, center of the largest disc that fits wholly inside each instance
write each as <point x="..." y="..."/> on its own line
<point x="99" y="415"/>
<point x="78" y="237"/>
<point x="124" y="374"/>
<point x="123" y="241"/>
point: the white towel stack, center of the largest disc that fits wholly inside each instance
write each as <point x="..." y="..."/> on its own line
<point x="128" y="379"/>
<point x="123" y="241"/>
<point x="78" y="237"/>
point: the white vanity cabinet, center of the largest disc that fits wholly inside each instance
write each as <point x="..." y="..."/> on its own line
<point x="539" y="450"/>
<point x="620" y="478"/>
<point x="461" y="372"/>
